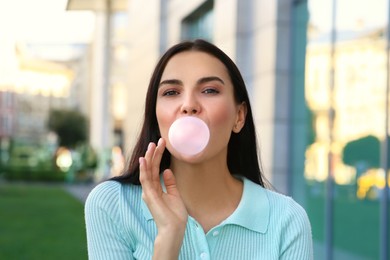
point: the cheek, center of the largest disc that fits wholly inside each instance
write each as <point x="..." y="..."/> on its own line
<point x="222" y="125"/>
<point x="164" y="121"/>
<point x="224" y="115"/>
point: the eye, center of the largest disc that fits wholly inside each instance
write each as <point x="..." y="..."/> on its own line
<point x="210" y="91"/>
<point x="170" y="93"/>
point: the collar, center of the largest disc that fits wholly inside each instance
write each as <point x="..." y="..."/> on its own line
<point x="253" y="211"/>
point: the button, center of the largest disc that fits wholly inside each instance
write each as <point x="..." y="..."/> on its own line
<point x="203" y="255"/>
<point x="215" y="233"/>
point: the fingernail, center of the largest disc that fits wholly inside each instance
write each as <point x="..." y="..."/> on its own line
<point x="159" y="141"/>
<point x="150" y="145"/>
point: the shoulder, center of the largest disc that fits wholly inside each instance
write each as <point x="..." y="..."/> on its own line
<point x="290" y="220"/>
<point x="287" y="216"/>
<point x="107" y="191"/>
<point x="110" y="194"/>
<point x="277" y="203"/>
<point x="286" y="205"/>
<point x="283" y="201"/>
<point x="282" y="209"/>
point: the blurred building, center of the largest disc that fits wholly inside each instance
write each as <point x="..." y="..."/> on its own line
<point x="7" y="123"/>
<point x="108" y="77"/>
<point x="317" y="76"/>
<point x="233" y="25"/>
<point x="40" y="85"/>
<point x="256" y="34"/>
<point x="358" y="97"/>
<point x="37" y="86"/>
<point x="35" y="77"/>
<point x="230" y="24"/>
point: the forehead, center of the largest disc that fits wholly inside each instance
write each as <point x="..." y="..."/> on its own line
<point x="194" y="63"/>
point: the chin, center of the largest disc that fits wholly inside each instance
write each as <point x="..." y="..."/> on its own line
<point x="188" y="158"/>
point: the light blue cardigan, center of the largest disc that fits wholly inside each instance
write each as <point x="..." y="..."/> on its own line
<point x="266" y="225"/>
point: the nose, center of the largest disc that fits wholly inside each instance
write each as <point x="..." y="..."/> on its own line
<point x="189" y="111"/>
<point x="190" y="106"/>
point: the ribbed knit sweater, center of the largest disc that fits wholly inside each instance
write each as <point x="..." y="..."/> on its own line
<point x="266" y="225"/>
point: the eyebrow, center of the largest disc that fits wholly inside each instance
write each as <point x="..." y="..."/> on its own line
<point x="211" y="78"/>
<point x="200" y="81"/>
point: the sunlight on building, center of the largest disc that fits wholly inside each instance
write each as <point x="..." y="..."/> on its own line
<point x="41" y="83"/>
<point x="117" y="161"/>
<point x="358" y="96"/>
<point x="371" y="183"/>
<point x="316" y="165"/>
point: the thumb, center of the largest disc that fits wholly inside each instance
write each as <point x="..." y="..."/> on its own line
<point x="170" y="183"/>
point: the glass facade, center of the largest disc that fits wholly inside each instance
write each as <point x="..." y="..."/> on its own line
<point x="343" y="68"/>
<point x="199" y="24"/>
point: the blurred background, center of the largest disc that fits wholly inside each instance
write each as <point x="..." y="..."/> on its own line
<point x="73" y="78"/>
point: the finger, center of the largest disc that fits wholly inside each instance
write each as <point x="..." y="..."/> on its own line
<point x="170" y="183"/>
<point x="149" y="153"/>
<point x="146" y="172"/>
<point x="158" y="152"/>
<point x="143" y="176"/>
<point x="149" y="191"/>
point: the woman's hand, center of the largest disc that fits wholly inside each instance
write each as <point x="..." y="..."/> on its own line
<point x="167" y="208"/>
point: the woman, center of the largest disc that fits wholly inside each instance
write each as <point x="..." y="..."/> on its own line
<point x="211" y="205"/>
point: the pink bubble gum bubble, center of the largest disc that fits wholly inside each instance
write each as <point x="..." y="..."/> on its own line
<point x="189" y="135"/>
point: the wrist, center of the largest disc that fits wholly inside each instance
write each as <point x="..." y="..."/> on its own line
<point x="168" y="243"/>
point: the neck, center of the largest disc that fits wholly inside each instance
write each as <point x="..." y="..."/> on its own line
<point x="208" y="190"/>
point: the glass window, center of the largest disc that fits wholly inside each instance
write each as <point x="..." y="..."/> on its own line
<point x="345" y="80"/>
<point x="199" y="24"/>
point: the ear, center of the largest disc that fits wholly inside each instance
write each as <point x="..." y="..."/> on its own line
<point x="240" y="120"/>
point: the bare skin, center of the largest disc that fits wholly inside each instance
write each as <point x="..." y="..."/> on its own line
<point x="168" y="209"/>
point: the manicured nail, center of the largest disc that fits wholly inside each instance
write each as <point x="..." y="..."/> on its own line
<point x="141" y="161"/>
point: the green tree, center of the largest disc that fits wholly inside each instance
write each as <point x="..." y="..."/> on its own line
<point x="363" y="150"/>
<point x="70" y="126"/>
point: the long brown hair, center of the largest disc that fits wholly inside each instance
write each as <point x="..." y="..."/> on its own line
<point x="242" y="157"/>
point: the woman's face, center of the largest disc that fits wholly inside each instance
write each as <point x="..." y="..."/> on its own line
<point x="197" y="84"/>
